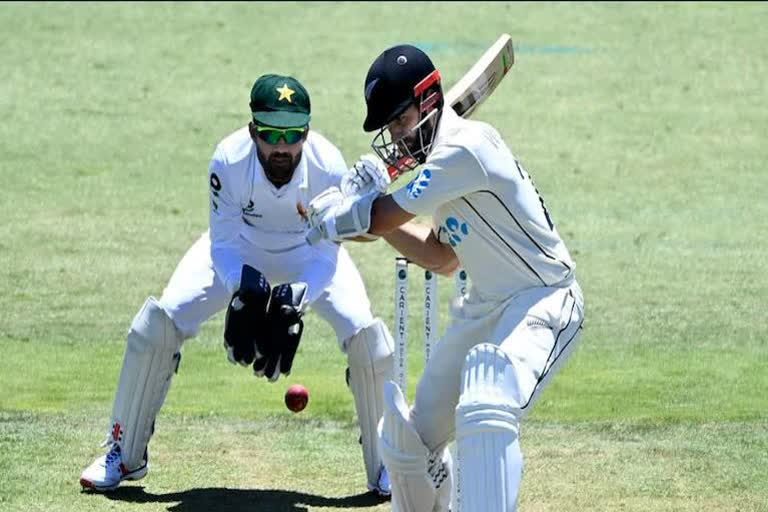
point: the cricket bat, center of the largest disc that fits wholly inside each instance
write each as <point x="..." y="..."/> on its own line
<point x="479" y="82"/>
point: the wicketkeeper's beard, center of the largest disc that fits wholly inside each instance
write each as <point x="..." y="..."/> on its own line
<point x="279" y="167"/>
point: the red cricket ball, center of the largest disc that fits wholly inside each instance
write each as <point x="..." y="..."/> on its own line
<point x="296" y="397"/>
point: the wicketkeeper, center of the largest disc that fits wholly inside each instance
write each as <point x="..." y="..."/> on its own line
<point x="522" y="316"/>
<point x="254" y="261"/>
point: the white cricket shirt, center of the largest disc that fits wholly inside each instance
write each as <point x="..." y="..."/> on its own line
<point x="247" y="209"/>
<point x="484" y="203"/>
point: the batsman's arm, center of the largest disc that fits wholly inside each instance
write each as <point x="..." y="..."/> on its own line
<point x="386" y="215"/>
<point x="416" y="242"/>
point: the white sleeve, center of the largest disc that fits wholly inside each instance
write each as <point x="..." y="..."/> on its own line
<point x="225" y="220"/>
<point x="336" y="167"/>
<point x="449" y="174"/>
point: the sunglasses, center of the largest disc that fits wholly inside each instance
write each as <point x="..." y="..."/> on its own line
<point x="272" y="135"/>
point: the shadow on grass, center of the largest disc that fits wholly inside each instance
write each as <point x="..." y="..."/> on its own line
<point x="253" y="500"/>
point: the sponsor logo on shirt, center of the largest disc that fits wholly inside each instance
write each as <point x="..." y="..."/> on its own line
<point x="249" y="211"/>
<point x="456" y="230"/>
<point x="215" y="183"/>
<point x="419" y="183"/>
<point x="215" y="187"/>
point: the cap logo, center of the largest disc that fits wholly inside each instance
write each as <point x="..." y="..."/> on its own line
<point x="285" y="93"/>
<point x="402" y="60"/>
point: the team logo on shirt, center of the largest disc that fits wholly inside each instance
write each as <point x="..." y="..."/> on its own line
<point x="455" y="230"/>
<point x="419" y="183"/>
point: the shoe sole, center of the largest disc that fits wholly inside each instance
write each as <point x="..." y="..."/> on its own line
<point x="136" y="474"/>
<point x="382" y="494"/>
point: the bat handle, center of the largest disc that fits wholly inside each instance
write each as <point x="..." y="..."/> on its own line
<point x="394" y="171"/>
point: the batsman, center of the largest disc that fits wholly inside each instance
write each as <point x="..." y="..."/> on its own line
<point x="511" y="332"/>
<point x="255" y="263"/>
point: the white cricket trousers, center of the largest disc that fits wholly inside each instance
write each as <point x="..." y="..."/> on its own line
<point x="537" y="328"/>
<point x="335" y="289"/>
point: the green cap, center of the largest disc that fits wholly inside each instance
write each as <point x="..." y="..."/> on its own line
<point x="279" y="101"/>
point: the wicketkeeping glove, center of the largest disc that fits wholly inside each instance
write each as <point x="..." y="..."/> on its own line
<point x="247" y="309"/>
<point x="276" y="349"/>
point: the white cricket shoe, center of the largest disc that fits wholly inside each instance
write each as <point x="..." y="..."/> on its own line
<point x="383" y="487"/>
<point x="106" y="472"/>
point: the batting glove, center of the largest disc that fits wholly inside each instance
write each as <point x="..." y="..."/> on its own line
<point x="369" y="174"/>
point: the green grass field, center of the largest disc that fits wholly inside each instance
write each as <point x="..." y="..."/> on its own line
<point x="641" y="124"/>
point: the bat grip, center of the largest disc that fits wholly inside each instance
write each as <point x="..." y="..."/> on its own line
<point x="394" y="170"/>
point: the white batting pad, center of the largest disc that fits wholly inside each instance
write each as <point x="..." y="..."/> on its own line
<point x="369" y="355"/>
<point x="152" y="353"/>
<point x="490" y="463"/>
<point x="420" y="481"/>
